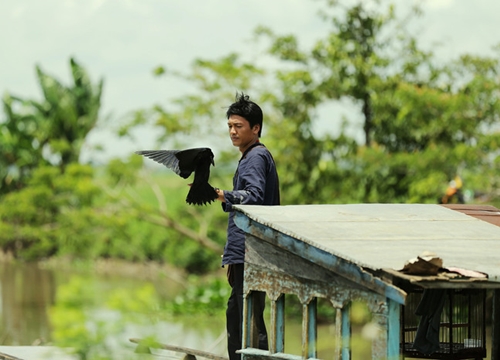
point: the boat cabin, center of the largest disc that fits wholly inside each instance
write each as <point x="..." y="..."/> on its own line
<point x="434" y="308"/>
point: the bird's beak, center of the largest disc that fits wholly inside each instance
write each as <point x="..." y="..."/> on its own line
<point x="213" y="162"/>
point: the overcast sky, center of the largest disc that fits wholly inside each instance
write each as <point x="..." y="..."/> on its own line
<point x="123" y="40"/>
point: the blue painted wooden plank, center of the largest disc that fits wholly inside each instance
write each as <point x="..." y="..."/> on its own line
<point x="393" y="330"/>
<point x="247" y="322"/>
<point x="276" y="333"/>
<point x="346" y="332"/>
<point x="280" y="324"/>
<point x="312" y="328"/>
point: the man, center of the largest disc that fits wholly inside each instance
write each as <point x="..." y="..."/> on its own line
<point x="254" y="183"/>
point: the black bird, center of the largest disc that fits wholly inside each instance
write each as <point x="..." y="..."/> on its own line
<point x="184" y="163"/>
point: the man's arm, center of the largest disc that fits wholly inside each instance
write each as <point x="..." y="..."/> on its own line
<point x="252" y="179"/>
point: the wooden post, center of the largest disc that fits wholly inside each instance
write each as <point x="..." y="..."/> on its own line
<point x="247" y="322"/>
<point x="277" y="331"/>
<point x="495" y="326"/>
<point x="346" y="332"/>
<point x="393" y="330"/>
<point x="338" y="333"/>
<point x="313" y="328"/>
<point x="309" y="329"/>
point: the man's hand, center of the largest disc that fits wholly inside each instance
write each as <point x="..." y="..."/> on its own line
<point x="220" y="194"/>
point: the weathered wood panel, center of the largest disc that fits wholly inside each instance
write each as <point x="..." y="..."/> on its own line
<point x="322" y="258"/>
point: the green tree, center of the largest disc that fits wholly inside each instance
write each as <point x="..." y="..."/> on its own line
<point x="55" y="214"/>
<point x="86" y="213"/>
<point x="50" y="131"/>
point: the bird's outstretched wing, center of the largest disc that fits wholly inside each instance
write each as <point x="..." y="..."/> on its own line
<point x="164" y="157"/>
<point x="184" y="163"/>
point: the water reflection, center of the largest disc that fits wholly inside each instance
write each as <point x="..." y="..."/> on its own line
<point x="26" y="293"/>
<point x="36" y="300"/>
<point x="41" y="305"/>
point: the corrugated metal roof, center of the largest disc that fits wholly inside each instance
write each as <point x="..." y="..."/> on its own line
<point x="380" y="236"/>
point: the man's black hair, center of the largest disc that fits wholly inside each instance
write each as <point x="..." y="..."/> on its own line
<point x="246" y="109"/>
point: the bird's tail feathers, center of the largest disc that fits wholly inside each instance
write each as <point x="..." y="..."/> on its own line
<point x="201" y="194"/>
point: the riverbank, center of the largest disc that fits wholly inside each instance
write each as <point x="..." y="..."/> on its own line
<point x="116" y="267"/>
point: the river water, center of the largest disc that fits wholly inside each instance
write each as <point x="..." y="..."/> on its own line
<point x="101" y="309"/>
<point x="41" y="304"/>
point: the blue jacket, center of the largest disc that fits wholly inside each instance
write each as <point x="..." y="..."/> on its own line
<point x="254" y="183"/>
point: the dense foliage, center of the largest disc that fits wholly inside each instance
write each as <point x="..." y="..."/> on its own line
<point x="54" y="206"/>
<point x="79" y="214"/>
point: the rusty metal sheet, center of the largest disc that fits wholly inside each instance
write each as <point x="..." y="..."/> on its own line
<point x="482" y="212"/>
<point x="378" y="236"/>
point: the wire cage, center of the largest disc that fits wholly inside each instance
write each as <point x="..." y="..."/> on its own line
<point x="462" y="327"/>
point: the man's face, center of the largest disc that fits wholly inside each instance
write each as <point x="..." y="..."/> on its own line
<point x="240" y="132"/>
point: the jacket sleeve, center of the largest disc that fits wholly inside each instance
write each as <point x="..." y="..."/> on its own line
<point x="252" y="181"/>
